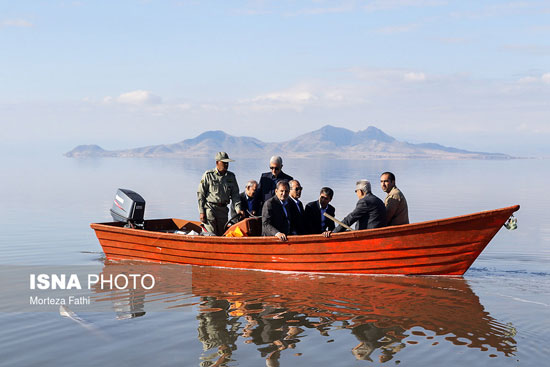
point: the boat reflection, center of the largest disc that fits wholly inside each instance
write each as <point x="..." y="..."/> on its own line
<point x="276" y="311"/>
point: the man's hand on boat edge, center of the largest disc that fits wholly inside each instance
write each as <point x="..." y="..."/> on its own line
<point x="281" y="236"/>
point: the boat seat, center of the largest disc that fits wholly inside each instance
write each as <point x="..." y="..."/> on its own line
<point x="248" y="227"/>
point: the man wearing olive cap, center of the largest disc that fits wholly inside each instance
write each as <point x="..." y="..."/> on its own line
<point x="218" y="187"/>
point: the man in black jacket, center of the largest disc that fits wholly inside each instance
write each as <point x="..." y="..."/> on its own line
<point x="314" y="218"/>
<point x="269" y="180"/>
<point x="278" y="215"/>
<point x="370" y="211"/>
<point x="294" y="200"/>
<point x="250" y="202"/>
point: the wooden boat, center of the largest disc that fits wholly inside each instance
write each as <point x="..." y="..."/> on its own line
<point x="439" y="247"/>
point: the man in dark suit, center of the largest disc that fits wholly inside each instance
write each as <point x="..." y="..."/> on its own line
<point x="294" y="200"/>
<point x="370" y="211"/>
<point x="278" y="215"/>
<point x="250" y="203"/>
<point x="314" y="217"/>
<point x="269" y="180"/>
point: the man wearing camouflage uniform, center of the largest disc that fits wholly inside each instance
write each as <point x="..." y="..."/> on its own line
<point x="217" y="188"/>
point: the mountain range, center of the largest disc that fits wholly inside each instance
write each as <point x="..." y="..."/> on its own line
<point x="327" y="142"/>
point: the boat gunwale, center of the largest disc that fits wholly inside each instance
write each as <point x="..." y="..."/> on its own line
<point x="364" y="234"/>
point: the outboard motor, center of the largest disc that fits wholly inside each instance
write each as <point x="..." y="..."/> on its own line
<point x="129" y="208"/>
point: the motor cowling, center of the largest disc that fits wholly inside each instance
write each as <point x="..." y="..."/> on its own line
<point x="128" y="207"/>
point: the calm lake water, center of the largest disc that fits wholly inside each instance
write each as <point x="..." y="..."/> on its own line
<point x="498" y="314"/>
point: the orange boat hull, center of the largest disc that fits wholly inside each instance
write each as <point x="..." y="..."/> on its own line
<point x="441" y="247"/>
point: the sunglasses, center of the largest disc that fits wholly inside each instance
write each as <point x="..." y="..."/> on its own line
<point x="298" y="188"/>
<point x="275" y="168"/>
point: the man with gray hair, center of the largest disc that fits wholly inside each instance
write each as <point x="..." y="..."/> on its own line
<point x="250" y="203"/>
<point x="269" y="180"/>
<point x="370" y="211"/>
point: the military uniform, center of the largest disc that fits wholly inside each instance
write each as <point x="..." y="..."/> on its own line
<point x="214" y="194"/>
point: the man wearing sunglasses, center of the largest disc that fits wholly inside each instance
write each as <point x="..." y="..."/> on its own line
<point x="294" y="199"/>
<point x="269" y="180"/>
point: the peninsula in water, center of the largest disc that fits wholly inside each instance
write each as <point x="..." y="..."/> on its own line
<point x="326" y="142"/>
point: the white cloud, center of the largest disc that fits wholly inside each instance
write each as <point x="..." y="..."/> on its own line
<point x="335" y="95"/>
<point x="388" y="75"/>
<point x="397" y="29"/>
<point x="253" y="11"/>
<point x="344" y="8"/>
<point x="452" y="40"/>
<point x="183" y="106"/>
<point x="414" y="77"/>
<point x="211" y="107"/>
<point x="287" y="96"/>
<point x="528" y="79"/>
<point x="136" y="97"/>
<point x="378" y="5"/>
<point x="315" y="7"/>
<point x="294" y="98"/>
<point x="374" y="74"/>
<point x="19" y="23"/>
<point x="313" y="96"/>
<point x="544" y="78"/>
<point x="532" y="129"/>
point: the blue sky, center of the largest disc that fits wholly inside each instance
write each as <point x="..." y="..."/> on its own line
<point x="470" y="74"/>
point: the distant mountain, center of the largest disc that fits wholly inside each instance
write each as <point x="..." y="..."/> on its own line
<point x="328" y="141"/>
<point x="87" y="151"/>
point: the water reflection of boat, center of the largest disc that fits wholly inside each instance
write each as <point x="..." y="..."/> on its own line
<point x="446" y="246"/>
<point x="276" y="311"/>
<point x="380" y="311"/>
